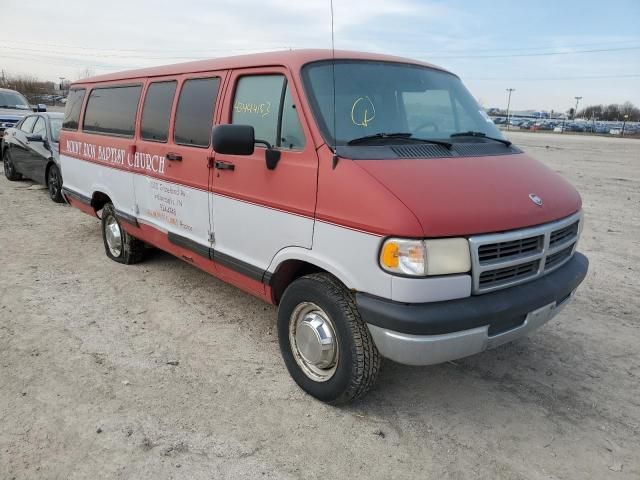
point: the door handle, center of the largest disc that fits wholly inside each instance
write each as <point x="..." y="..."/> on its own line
<point x="224" y="166"/>
<point x="174" y="157"/>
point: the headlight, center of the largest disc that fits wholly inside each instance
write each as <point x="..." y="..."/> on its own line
<point x="420" y="258"/>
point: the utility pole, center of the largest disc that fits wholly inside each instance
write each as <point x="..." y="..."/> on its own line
<point x="575" y="112"/>
<point x="509" y="104"/>
<point x="62" y="79"/>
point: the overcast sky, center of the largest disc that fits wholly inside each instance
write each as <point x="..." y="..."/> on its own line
<point x="548" y="51"/>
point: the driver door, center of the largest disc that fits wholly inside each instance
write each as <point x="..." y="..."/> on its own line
<point x="257" y="211"/>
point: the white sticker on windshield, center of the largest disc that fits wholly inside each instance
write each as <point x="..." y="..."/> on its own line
<point x="486" y="117"/>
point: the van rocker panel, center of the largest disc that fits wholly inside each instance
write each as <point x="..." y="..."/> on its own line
<point x="498" y="311"/>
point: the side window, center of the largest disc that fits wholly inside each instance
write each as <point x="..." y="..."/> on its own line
<point x="28" y="123"/>
<point x="72" y="110"/>
<point x="40" y="128"/>
<point x="194" y="115"/>
<point x="291" y="135"/>
<point x="257" y="103"/>
<point x="112" y="110"/>
<point x="157" y="111"/>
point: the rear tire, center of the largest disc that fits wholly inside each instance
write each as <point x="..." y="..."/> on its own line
<point x="324" y="342"/>
<point x="118" y="244"/>
<point x="54" y="184"/>
<point x="9" y="169"/>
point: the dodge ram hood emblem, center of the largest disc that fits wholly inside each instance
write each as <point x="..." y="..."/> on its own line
<point x="535" y="199"/>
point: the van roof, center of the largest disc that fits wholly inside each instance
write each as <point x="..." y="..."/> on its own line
<point x="294" y="59"/>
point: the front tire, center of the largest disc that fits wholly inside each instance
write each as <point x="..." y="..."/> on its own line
<point x="118" y="244"/>
<point x="54" y="184"/>
<point x="9" y="169"/>
<point x="325" y="344"/>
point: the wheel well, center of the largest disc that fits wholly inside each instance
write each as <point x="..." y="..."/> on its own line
<point x="99" y="200"/>
<point x="287" y="272"/>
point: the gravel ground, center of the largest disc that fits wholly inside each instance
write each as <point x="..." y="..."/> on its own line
<point x="160" y="371"/>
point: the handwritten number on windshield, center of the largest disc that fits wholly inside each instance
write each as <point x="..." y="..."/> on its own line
<point x="363" y="111"/>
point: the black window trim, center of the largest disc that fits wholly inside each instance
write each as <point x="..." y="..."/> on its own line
<point x="174" y="108"/>
<point x="84" y="97"/>
<point x="281" y="112"/>
<point x="213" y="114"/>
<point x="118" y="135"/>
<point x="285" y="84"/>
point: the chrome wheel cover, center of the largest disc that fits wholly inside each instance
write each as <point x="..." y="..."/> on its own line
<point x="313" y="340"/>
<point x="113" y="235"/>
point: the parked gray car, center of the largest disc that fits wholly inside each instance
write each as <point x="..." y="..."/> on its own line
<point x="30" y="149"/>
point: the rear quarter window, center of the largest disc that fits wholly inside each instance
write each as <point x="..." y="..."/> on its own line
<point x="112" y="110"/>
<point x="72" y="110"/>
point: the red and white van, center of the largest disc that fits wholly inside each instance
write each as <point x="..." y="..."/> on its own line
<point x="368" y="196"/>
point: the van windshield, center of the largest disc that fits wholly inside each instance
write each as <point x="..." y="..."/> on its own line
<point x="392" y="101"/>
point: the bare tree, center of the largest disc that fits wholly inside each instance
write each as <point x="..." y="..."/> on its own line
<point x="85" y="73"/>
<point x="612" y="112"/>
<point x="31" y="87"/>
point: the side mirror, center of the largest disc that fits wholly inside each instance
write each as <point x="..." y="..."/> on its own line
<point x="271" y="155"/>
<point x="233" y="139"/>
<point x="33" y="137"/>
<point x="42" y="107"/>
<point x="272" y="158"/>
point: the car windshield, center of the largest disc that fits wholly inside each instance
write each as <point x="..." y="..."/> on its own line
<point x="13" y="100"/>
<point x="381" y="99"/>
<point x="56" y="125"/>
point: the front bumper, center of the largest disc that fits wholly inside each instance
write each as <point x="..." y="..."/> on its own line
<point x="429" y="333"/>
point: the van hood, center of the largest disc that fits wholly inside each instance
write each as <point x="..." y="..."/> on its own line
<point x="472" y="195"/>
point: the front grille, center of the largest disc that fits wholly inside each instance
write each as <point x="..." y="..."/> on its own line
<point x="508" y="274"/>
<point x="502" y="260"/>
<point x="515" y="248"/>
<point x="557" y="258"/>
<point x="563" y="234"/>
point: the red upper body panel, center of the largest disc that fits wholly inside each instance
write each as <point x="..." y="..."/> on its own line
<point x="396" y="197"/>
<point x="471" y="195"/>
<point x="294" y="59"/>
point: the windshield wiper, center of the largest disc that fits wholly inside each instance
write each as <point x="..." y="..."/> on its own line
<point x="402" y="135"/>
<point x="481" y="135"/>
<point x="376" y="136"/>
<point x="13" y="107"/>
